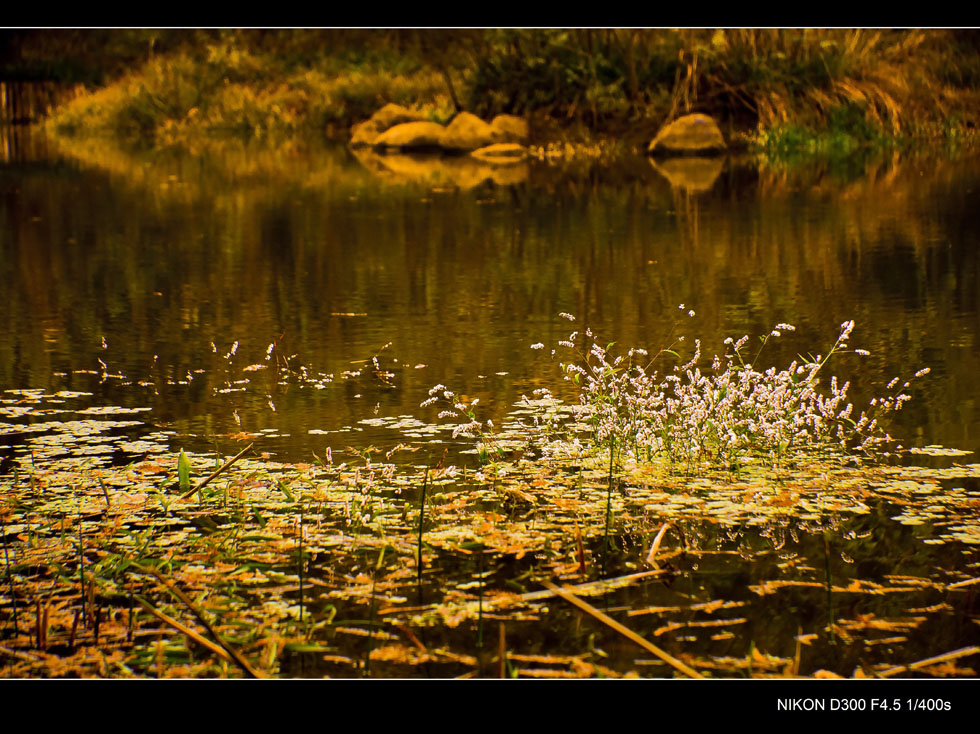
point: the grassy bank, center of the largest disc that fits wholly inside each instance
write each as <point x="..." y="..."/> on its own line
<point x="779" y="90"/>
<point x="225" y="90"/>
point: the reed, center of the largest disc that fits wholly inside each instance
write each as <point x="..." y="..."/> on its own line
<point x="418" y="551"/>
<point x="10" y="578"/>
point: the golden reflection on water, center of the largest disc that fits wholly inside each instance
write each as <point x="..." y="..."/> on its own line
<point x="164" y="252"/>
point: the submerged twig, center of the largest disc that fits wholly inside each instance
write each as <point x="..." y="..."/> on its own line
<point x="652" y="555"/>
<point x="216" y="472"/>
<point x="623" y="630"/>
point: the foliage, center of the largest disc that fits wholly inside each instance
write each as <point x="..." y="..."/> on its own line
<point x="228" y="89"/>
<point x="753" y="78"/>
<point x="865" y="84"/>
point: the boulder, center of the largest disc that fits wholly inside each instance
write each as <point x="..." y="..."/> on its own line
<point x="688" y="135"/>
<point x="412" y="135"/>
<point x="394" y="126"/>
<point x="512" y="129"/>
<point x="394" y="114"/>
<point x="469" y="132"/>
<point x="367" y="132"/>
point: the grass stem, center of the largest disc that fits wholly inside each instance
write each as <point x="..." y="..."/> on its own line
<point x="425" y="482"/>
<point x="10" y="578"/>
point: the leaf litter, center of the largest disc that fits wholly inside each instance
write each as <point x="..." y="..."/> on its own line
<point x="307" y="554"/>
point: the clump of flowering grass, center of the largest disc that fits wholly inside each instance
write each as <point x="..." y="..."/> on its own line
<point x="721" y="414"/>
<point x="456" y="407"/>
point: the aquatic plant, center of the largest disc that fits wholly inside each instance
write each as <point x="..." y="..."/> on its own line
<point x="456" y="407"/>
<point x="725" y="414"/>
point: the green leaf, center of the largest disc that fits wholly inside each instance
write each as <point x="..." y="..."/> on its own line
<point x="184" y="471"/>
<point x="285" y="490"/>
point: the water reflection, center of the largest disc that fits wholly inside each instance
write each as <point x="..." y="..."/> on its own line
<point x="695" y="175"/>
<point x="174" y="257"/>
<point x="463" y="172"/>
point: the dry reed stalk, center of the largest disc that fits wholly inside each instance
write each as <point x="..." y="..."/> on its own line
<point x="945" y="657"/>
<point x="184" y="629"/>
<point x="961" y="584"/>
<point x="237" y="657"/>
<point x="26" y="656"/>
<point x="216" y="472"/>
<point x="625" y="631"/>
<point x="502" y="652"/>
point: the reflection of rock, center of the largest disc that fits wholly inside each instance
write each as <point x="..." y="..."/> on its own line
<point x="501" y="152"/>
<point x="688" y="135"/>
<point x="695" y="175"/>
<point x="464" y="172"/>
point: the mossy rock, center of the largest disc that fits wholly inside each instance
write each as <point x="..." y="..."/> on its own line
<point x="468" y="132"/>
<point x="410" y="135"/>
<point x="367" y="132"/>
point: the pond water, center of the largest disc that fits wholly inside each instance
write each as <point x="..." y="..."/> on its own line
<point x="307" y="298"/>
<point x="121" y="269"/>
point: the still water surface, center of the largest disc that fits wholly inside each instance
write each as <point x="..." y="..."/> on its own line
<point x="157" y="264"/>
